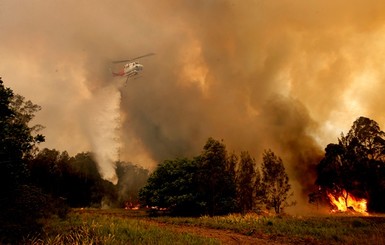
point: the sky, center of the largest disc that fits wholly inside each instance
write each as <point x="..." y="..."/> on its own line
<point x="258" y="74"/>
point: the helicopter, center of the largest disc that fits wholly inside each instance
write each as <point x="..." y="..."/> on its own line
<point x="130" y="69"/>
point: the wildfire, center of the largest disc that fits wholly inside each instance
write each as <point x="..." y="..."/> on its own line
<point x="131" y="206"/>
<point x="347" y="201"/>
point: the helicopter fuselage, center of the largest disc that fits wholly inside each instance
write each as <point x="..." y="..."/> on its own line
<point x="132" y="68"/>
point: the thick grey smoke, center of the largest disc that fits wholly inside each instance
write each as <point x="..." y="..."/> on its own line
<point x="259" y="74"/>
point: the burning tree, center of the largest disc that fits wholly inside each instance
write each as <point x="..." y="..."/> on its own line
<point x="355" y="166"/>
<point x="345" y="201"/>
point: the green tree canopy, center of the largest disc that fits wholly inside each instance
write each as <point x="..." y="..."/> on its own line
<point x="217" y="183"/>
<point x="214" y="181"/>
<point x="173" y="186"/>
<point x="204" y="185"/>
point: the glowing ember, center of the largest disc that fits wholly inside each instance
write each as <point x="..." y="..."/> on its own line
<point x="131" y="206"/>
<point x="346" y="202"/>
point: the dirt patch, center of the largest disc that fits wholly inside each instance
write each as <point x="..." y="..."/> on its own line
<point x="224" y="236"/>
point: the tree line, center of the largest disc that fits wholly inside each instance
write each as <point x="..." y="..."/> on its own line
<point x="35" y="184"/>
<point x="216" y="183"/>
<point x="77" y="180"/>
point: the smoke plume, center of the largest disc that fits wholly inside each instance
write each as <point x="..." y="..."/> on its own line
<point x="258" y="74"/>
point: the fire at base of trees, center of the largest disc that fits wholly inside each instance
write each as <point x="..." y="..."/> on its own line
<point x="35" y="184"/>
<point x="354" y="169"/>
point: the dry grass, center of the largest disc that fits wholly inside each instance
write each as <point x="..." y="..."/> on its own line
<point x="328" y="229"/>
<point x="95" y="226"/>
<point x="99" y="228"/>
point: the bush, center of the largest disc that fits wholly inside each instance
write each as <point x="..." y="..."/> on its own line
<point x="22" y="209"/>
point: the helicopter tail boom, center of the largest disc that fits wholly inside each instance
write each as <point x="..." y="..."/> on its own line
<point x="117" y="74"/>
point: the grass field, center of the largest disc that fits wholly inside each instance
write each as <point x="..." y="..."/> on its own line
<point x="116" y="227"/>
<point x="330" y="229"/>
<point x="93" y="226"/>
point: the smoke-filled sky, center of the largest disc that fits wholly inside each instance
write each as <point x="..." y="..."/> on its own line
<point x="286" y="75"/>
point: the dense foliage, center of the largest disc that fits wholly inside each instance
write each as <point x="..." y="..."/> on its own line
<point x="204" y="185"/>
<point x="74" y="179"/>
<point x="17" y="139"/>
<point x="174" y="185"/>
<point x="216" y="183"/>
<point x="356" y="164"/>
<point x="35" y="184"/>
<point x="77" y="179"/>
<point x="20" y="203"/>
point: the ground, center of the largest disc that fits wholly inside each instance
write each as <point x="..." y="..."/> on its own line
<point x="224" y="236"/>
<point x="242" y="229"/>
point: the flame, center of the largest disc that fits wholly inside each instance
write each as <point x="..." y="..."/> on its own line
<point x="347" y="201"/>
<point x="131" y="206"/>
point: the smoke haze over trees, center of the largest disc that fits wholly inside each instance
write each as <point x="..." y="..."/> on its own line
<point x="258" y="74"/>
<point x="36" y="184"/>
<point x="281" y="75"/>
<point x="214" y="182"/>
<point x="77" y="179"/>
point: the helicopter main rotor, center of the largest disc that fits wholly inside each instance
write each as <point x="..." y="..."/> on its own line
<point x="121" y="61"/>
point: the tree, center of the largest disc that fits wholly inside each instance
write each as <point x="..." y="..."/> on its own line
<point x="204" y="185"/>
<point x="173" y="186"/>
<point x="131" y="178"/>
<point x="231" y="165"/>
<point x="245" y="182"/>
<point x="365" y="139"/>
<point x="74" y="179"/>
<point x="21" y="205"/>
<point x="87" y="186"/>
<point x="216" y="183"/>
<point x="275" y="182"/>
<point x="17" y="139"/>
<point x="356" y="164"/>
<point x="46" y="172"/>
<point x="258" y="192"/>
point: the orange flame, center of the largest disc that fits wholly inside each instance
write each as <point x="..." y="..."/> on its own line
<point x="348" y="201"/>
